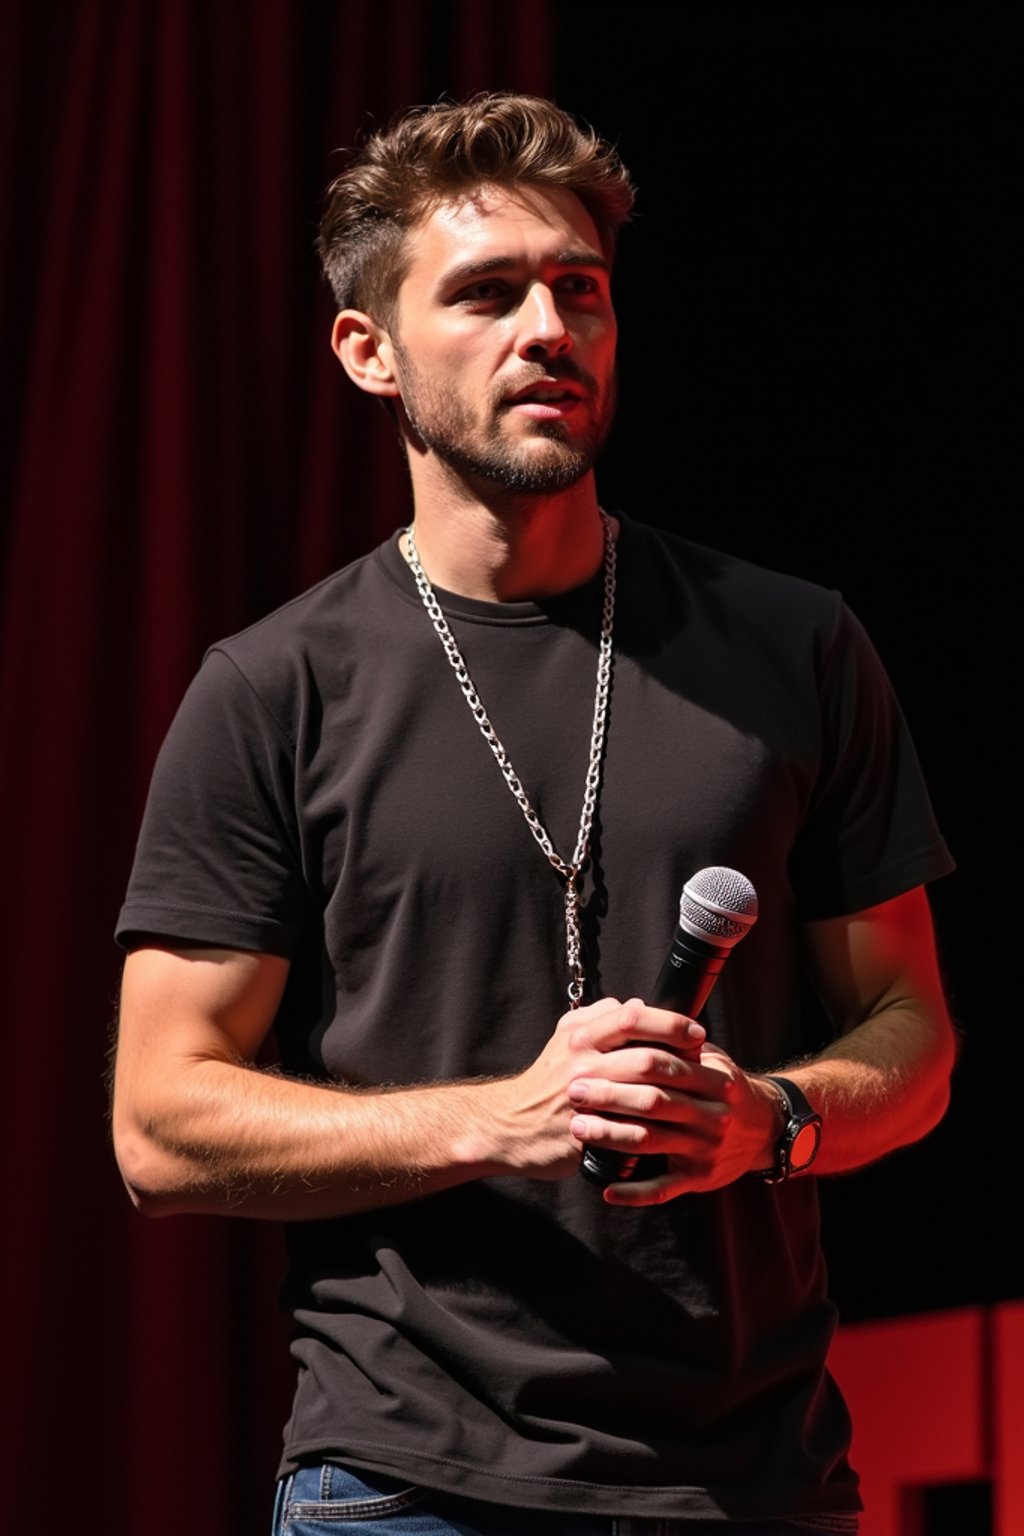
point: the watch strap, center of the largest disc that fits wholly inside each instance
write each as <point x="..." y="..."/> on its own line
<point x="795" y="1098"/>
<point x="798" y="1116"/>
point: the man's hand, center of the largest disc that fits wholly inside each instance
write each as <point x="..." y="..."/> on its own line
<point x="710" y="1120"/>
<point x="623" y="1049"/>
<point x="881" y="1084"/>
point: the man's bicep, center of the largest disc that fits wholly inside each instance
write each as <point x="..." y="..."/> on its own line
<point x="191" y="1019"/>
<point x="868" y="961"/>
<point x="180" y="1005"/>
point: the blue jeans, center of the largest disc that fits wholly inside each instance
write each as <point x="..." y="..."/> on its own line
<point x="329" y="1500"/>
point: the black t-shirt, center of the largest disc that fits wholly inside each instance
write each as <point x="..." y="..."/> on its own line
<point x="325" y="794"/>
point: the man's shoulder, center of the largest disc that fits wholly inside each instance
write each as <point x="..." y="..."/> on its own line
<point x="320" y="619"/>
<point x="717" y="580"/>
<point x="303" y="652"/>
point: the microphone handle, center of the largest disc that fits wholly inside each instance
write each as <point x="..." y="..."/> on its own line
<point x="684" y="983"/>
<point x="691" y="968"/>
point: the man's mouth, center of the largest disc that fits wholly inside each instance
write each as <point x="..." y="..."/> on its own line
<point x="547" y="393"/>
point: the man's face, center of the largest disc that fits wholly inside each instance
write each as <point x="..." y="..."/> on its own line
<point x="504" y="339"/>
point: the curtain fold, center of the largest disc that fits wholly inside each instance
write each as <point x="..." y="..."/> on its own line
<point x="180" y="453"/>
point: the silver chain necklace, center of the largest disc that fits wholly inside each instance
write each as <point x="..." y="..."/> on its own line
<point x="570" y="872"/>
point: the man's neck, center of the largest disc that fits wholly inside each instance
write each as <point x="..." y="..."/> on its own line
<point x="504" y="548"/>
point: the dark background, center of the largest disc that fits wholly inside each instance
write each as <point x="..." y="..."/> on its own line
<point x="816" y="318"/>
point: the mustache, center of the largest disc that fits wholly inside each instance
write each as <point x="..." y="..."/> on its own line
<point x="564" y="370"/>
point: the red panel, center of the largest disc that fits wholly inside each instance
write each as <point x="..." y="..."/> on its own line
<point x="916" y="1390"/>
<point x="1008" y="1419"/>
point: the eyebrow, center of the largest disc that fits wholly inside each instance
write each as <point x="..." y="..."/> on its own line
<point x="469" y="269"/>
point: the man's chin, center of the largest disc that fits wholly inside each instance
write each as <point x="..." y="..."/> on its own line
<point x="549" y="462"/>
<point x="538" y="475"/>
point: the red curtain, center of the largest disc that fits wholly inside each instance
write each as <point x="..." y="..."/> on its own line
<point x="180" y="452"/>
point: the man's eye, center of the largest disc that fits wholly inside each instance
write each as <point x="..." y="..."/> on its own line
<point x="483" y="292"/>
<point x="578" y="283"/>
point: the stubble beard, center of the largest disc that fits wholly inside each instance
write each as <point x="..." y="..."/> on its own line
<point x="474" y="446"/>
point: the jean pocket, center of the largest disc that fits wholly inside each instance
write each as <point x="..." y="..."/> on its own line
<point x="326" y="1495"/>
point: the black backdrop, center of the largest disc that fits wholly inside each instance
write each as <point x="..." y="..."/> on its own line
<point x="816" y="306"/>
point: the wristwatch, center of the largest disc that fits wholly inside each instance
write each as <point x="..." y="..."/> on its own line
<point x="798" y="1142"/>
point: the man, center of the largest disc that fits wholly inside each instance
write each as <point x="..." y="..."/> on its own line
<point x="445" y="889"/>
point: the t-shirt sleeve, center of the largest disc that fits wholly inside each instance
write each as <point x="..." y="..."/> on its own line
<point x="218" y="858"/>
<point x="870" y="833"/>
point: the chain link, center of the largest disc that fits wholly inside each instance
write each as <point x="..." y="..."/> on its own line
<point x="570" y="872"/>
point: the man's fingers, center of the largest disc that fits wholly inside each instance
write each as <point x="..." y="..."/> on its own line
<point x="609" y="1025"/>
<point x="647" y="1191"/>
<point x="642" y="1079"/>
<point x="624" y="1131"/>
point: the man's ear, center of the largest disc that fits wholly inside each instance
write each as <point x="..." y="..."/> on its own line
<point x="365" y="352"/>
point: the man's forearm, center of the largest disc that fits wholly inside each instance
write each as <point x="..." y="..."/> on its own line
<point x="884" y="1080"/>
<point x="198" y="1127"/>
<point x="878" y="1088"/>
<point x="238" y="1139"/>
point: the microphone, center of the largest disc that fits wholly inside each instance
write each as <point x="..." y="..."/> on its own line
<point x="718" y="906"/>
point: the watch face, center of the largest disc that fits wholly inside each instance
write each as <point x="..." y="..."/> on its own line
<point x="804" y="1146"/>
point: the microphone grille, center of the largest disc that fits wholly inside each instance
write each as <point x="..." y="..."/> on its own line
<point x="719" y="902"/>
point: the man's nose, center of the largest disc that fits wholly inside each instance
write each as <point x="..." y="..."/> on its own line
<point x="541" y="325"/>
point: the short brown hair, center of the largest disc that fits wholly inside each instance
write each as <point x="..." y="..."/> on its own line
<point x="429" y="154"/>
